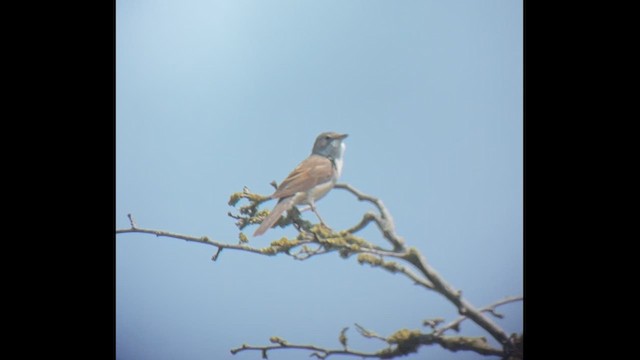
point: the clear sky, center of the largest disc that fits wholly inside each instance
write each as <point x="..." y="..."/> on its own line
<point x="212" y="96"/>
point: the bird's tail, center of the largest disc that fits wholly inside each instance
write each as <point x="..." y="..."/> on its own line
<point x="282" y="206"/>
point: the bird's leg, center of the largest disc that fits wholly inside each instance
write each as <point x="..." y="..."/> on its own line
<point x="312" y="206"/>
<point x="318" y="215"/>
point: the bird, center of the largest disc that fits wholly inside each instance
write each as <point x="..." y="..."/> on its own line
<point x="311" y="180"/>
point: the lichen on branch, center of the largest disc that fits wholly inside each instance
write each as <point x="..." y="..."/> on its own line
<point x="316" y="239"/>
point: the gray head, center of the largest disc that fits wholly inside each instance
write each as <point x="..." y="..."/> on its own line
<point x="329" y="144"/>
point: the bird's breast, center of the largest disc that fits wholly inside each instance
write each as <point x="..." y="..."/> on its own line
<point x="320" y="190"/>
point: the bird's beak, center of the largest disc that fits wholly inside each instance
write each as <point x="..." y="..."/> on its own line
<point x="341" y="136"/>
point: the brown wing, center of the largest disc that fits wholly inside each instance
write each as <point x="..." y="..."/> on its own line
<point x="312" y="171"/>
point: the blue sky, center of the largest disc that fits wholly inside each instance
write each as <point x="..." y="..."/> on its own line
<point x="212" y="96"/>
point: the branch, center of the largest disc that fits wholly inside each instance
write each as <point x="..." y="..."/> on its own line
<point x="282" y="245"/>
<point x="455" y="325"/>
<point x="384" y="221"/>
<point x="131" y="221"/>
<point x="328" y="242"/>
<point x="346" y="243"/>
<point x="369" y="334"/>
<point x="401" y="343"/>
<point x="465" y="308"/>
<point x="320" y="353"/>
<point x="413" y="256"/>
<point x="393" y="267"/>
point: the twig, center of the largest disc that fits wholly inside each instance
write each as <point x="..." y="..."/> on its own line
<point x="394" y="267"/>
<point x="366" y="219"/>
<point x="455" y="324"/>
<point x="319" y="352"/>
<point x="369" y="334"/>
<point x="133" y="223"/>
<point x="465" y="308"/>
<point x="202" y="240"/>
<point x="384" y="221"/>
<point x="401" y="343"/>
<point x="346" y="243"/>
<point x="305" y="253"/>
<point x="271" y="250"/>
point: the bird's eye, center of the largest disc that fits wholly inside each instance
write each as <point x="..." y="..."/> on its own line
<point x="327" y="137"/>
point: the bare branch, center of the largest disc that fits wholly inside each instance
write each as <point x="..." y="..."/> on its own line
<point x="333" y="242"/>
<point x="131" y="221"/>
<point x="305" y="252"/>
<point x="455" y="325"/>
<point x="366" y="219"/>
<point x="271" y="250"/>
<point x="215" y="256"/>
<point x="456" y="343"/>
<point x="394" y="267"/>
<point x="400" y="343"/>
<point x="320" y="353"/>
<point x="385" y="221"/>
<point x="369" y="334"/>
<point x="346" y="243"/>
<point x="432" y="323"/>
<point x="465" y="308"/>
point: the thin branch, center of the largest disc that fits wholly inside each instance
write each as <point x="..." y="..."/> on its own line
<point x="345" y="241"/>
<point x="393" y="267"/>
<point x="304" y="253"/>
<point x="346" y="244"/>
<point x="385" y="221"/>
<point x="366" y="219"/>
<point x="465" y="343"/>
<point x="319" y="352"/>
<point x="131" y="221"/>
<point x="369" y="334"/>
<point x="215" y="256"/>
<point x="283" y="245"/>
<point x="455" y="324"/>
<point x="202" y="240"/>
<point x="402" y="342"/>
<point x="465" y="308"/>
<point x="413" y="276"/>
<point x="326" y="245"/>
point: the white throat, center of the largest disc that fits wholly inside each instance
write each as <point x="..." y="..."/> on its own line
<point x="339" y="160"/>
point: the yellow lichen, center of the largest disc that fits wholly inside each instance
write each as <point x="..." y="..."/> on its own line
<point x="321" y="230"/>
<point x="277" y="340"/>
<point x="335" y="241"/>
<point x="407" y="341"/>
<point x="235" y="197"/>
<point x="269" y="251"/>
<point x="369" y="259"/>
<point x="253" y="198"/>
<point x="403" y="335"/>
<point x="391" y="266"/>
<point x="352" y="239"/>
<point x="364" y="258"/>
<point x="284" y="243"/>
<point x="256" y="198"/>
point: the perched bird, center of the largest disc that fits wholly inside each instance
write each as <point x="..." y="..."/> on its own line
<point x="311" y="180"/>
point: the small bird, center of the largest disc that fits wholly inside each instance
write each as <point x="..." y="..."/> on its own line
<point x="311" y="180"/>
